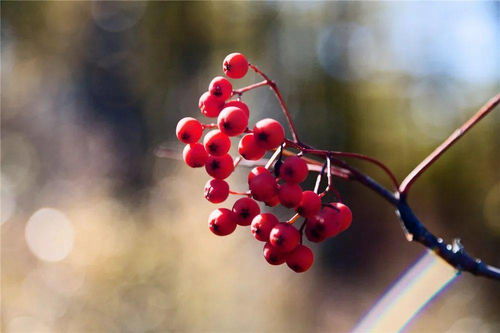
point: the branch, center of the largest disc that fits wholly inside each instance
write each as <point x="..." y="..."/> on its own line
<point x="459" y="132"/>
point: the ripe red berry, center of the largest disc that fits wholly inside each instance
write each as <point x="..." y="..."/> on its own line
<point x="216" y="190"/>
<point x="222" y="222"/>
<point x="216" y="143"/>
<point x="300" y="259"/>
<point x="232" y="121"/>
<point x="316" y="229"/>
<point x="269" y="133"/>
<point x="309" y="205"/>
<point x="294" y="170"/>
<point x="262" y="225"/>
<point x="189" y="130"/>
<point x="345" y="214"/>
<point x="221" y="88"/>
<point x="273" y="255"/>
<point x="273" y="202"/>
<point x="210" y="105"/>
<point x="219" y="167"/>
<point x="257" y="171"/>
<point x="290" y="195"/>
<point x="245" y="209"/>
<point x="194" y="155"/>
<point x="325" y="224"/>
<point x="249" y="149"/>
<point x="239" y="104"/>
<point x="235" y="65"/>
<point x="284" y="237"/>
<point x="263" y="187"/>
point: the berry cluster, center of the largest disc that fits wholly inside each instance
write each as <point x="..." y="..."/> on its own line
<point x="278" y="182"/>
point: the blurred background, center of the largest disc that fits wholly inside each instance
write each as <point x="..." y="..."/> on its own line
<point x="100" y="235"/>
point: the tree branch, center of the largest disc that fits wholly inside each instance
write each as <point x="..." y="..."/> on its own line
<point x="459" y="132"/>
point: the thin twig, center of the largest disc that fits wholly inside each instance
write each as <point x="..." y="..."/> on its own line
<point x="457" y="134"/>
<point x="284" y="108"/>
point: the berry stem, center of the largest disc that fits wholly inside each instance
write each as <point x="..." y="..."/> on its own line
<point x="243" y="90"/>
<point x="293" y="219"/>
<point x="209" y="126"/>
<point x="457" y="134"/>
<point x="283" y="105"/>
<point x="239" y="193"/>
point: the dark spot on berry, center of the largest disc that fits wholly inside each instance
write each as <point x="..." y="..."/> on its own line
<point x="279" y="240"/>
<point x="244" y="213"/>
<point x="226" y="125"/>
<point x="213" y="147"/>
<point x="185" y="136"/>
<point x="262" y="136"/>
<point x="215" y="165"/>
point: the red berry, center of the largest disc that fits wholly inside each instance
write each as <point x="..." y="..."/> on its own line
<point x="194" y="155"/>
<point x="239" y="104"/>
<point x="189" y="130"/>
<point x="235" y="65"/>
<point x="232" y="121"/>
<point x="210" y="105"/>
<point x="273" y="202"/>
<point x="216" y="143"/>
<point x="263" y="187"/>
<point x="325" y="224"/>
<point x="273" y="255"/>
<point x="301" y="259"/>
<point x="216" y="190"/>
<point x="245" y="209"/>
<point x="249" y="149"/>
<point x="284" y="237"/>
<point x="221" y="88"/>
<point x="345" y="214"/>
<point x="290" y="195"/>
<point x="317" y="229"/>
<point x="257" y="171"/>
<point x="222" y="222"/>
<point x="262" y="225"/>
<point x="294" y="170"/>
<point x="269" y="133"/>
<point x="309" y="205"/>
<point x="219" y="167"/>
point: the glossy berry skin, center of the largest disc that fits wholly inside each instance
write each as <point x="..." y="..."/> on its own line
<point x="269" y="133"/>
<point x="325" y="224"/>
<point x="240" y="105"/>
<point x="222" y="222"/>
<point x="245" y="210"/>
<point x="262" y="225"/>
<point x="194" y="155"/>
<point x="284" y="237"/>
<point x="216" y="190"/>
<point x="216" y="143"/>
<point x="273" y="202"/>
<point x="309" y="205"/>
<point x="189" y="130"/>
<point x="219" y="167"/>
<point x="232" y="121"/>
<point x="210" y="106"/>
<point x="249" y="149"/>
<point x="290" y="195"/>
<point x="263" y="187"/>
<point x="273" y="255"/>
<point x="344" y="213"/>
<point x="221" y="88"/>
<point x="235" y="65"/>
<point x="300" y="259"/>
<point x="257" y="171"/>
<point x="294" y="170"/>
